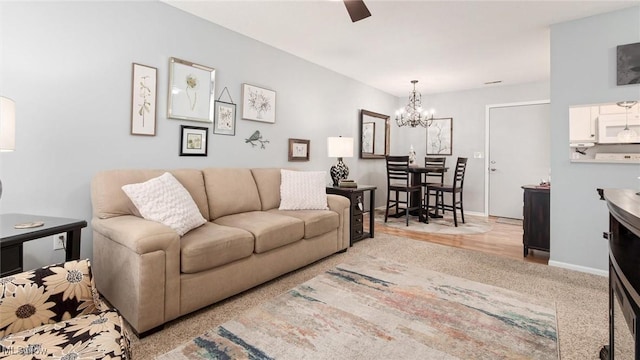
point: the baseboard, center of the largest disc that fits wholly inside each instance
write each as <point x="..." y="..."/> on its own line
<point x="579" y="268"/>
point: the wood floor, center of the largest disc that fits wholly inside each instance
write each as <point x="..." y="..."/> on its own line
<point x="503" y="240"/>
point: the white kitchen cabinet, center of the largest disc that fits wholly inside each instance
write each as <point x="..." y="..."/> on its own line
<point x="607" y="109"/>
<point x="582" y="124"/>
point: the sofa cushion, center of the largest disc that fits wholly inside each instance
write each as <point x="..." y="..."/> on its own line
<point x="230" y="191"/>
<point x="316" y="222"/>
<point x="94" y="336"/>
<point x="268" y="182"/>
<point x="108" y="199"/>
<point x="303" y="190"/>
<point x="212" y="245"/>
<point x="165" y="200"/>
<point x="45" y="295"/>
<point x="269" y="230"/>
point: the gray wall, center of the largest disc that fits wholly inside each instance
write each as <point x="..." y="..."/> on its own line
<point x="68" y="67"/>
<point x="583" y="71"/>
<point x="468" y="110"/>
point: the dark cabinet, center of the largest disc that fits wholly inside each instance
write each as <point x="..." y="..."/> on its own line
<point x="356" y="197"/>
<point x="536" y="215"/>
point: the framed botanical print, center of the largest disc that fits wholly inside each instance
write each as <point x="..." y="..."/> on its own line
<point x="258" y="104"/>
<point x="144" y="90"/>
<point x="224" y="122"/>
<point x="299" y="150"/>
<point x="193" y="141"/>
<point x="368" y="137"/>
<point x="439" y="137"/>
<point x="191" y="89"/>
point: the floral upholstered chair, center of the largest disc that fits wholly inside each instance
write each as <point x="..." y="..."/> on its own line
<point x="55" y="312"/>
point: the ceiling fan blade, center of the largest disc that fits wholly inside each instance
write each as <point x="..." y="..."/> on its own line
<point x="357" y="9"/>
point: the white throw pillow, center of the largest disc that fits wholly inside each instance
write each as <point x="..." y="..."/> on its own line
<point x="303" y="190"/>
<point x="165" y="200"/>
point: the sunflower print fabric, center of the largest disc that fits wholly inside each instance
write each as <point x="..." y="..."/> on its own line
<point x="55" y="312"/>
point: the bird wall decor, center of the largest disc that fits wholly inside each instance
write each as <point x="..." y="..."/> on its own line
<point x="256" y="138"/>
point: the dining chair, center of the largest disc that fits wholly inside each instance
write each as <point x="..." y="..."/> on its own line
<point x="399" y="181"/>
<point x="455" y="189"/>
<point x="432" y="178"/>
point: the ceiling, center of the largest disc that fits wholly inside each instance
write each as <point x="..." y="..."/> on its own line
<point x="446" y="45"/>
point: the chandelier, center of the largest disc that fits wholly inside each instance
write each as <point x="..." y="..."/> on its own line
<point x="412" y="114"/>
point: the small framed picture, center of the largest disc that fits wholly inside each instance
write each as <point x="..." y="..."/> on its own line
<point x="193" y="141"/>
<point x="298" y="150"/>
<point x="258" y="104"/>
<point x="440" y="136"/>
<point x="224" y="122"/>
<point x="191" y="89"/>
<point x="144" y="90"/>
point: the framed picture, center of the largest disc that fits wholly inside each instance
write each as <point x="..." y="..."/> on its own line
<point x="298" y="150"/>
<point x="258" y="104"/>
<point x="191" y="91"/>
<point x="628" y="64"/>
<point x="144" y="90"/>
<point x="224" y="122"/>
<point x="368" y="137"/>
<point x="193" y="141"/>
<point x="439" y="137"/>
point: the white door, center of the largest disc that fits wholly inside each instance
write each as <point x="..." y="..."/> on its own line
<point x="519" y="154"/>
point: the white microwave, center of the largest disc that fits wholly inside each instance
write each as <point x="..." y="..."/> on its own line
<point x="609" y="125"/>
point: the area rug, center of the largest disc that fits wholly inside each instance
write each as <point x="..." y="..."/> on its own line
<point x="445" y="225"/>
<point x="371" y="308"/>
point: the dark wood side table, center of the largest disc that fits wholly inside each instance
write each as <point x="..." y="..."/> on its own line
<point x="356" y="197"/>
<point x="536" y="216"/>
<point x="11" y="239"/>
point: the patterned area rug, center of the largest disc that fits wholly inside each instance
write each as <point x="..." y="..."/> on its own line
<point x="445" y="225"/>
<point x="375" y="309"/>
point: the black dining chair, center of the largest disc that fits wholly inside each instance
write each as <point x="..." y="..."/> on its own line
<point x="432" y="178"/>
<point x="399" y="181"/>
<point x="455" y="189"/>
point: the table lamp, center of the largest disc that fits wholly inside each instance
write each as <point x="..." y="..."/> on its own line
<point x="7" y="127"/>
<point x="339" y="147"/>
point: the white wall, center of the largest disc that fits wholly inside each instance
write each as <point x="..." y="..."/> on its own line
<point x="67" y="65"/>
<point x="583" y="71"/>
<point x="467" y="108"/>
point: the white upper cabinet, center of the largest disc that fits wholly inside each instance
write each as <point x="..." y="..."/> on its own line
<point x="582" y="124"/>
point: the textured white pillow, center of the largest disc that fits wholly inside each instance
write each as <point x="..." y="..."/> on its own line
<point x="165" y="200"/>
<point x="303" y="190"/>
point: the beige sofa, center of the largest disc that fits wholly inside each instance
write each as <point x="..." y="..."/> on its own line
<point x="152" y="275"/>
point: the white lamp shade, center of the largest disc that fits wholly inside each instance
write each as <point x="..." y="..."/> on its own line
<point x="7" y="124"/>
<point x="340" y="147"/>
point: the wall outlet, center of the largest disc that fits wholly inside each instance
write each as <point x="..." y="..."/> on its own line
<point x="59" y="241"/>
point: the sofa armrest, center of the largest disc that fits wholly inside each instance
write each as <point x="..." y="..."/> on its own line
<point x="136" y="264"/>
<point x="138" y="234"/>
<point x="342" y="206"/>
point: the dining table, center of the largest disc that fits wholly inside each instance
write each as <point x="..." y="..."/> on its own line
<point x="416" y="179"/>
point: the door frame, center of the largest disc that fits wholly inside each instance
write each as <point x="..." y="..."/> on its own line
<point x="487" y="141"/>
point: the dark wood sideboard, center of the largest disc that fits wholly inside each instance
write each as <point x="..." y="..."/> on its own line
<point x="536" y="218"/>
<point x="624" y="273"/>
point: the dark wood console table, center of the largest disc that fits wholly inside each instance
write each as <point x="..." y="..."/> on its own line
<point x="11" y="239"/>
<point x="356" y="197"/>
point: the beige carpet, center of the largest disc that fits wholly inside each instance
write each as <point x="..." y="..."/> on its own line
<point x="581" y="299"/>
<point x="444" y="225"/>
